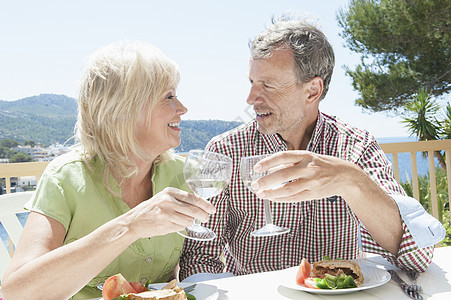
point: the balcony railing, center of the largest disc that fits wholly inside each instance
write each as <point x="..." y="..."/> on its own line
<point x="9" y="171"/>
<point x="36" y="168"/>
<point x="425" y="146"/>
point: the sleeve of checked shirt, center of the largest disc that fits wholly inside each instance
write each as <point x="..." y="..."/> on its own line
<point x="204" y="256"/>
<point x="421" y="230"/>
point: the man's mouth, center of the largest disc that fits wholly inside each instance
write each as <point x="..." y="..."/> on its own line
<point x="263" y="114"/>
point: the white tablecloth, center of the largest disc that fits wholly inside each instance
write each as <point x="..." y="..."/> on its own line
<point x="436" y="283"/>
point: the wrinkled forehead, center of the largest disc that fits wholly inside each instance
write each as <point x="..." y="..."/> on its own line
<point x="279" y="64"/>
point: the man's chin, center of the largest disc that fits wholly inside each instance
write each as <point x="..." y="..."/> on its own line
<point x="264" y="130"/>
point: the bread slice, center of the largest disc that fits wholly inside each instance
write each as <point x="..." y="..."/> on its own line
<point x="169" y="292"/>
<point x="336" y="267"/>
<point x="158" y="295"/>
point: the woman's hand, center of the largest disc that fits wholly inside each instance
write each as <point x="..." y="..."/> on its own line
<point x="168" y="211"/>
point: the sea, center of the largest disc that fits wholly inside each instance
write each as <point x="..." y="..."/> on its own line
<point x="404" y="173"/>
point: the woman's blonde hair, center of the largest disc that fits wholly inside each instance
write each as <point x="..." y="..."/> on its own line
<point x="121" y="81"/>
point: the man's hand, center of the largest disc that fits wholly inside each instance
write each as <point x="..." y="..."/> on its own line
<point x="302" y="175"/>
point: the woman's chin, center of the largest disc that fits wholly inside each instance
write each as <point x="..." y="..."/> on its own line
<point x="176" y="144"/>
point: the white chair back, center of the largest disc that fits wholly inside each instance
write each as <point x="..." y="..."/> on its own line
<point x="10" y="204"/>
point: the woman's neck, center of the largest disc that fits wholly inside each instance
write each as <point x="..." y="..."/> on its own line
<point x="138" y="188"/>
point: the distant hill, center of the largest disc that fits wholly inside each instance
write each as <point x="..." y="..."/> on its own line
<point x="45" y="119"/>
<point x="48" y="119"/>
<point x="196" y="133"/>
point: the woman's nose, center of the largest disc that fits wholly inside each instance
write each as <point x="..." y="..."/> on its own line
<point x="181" y="109"/>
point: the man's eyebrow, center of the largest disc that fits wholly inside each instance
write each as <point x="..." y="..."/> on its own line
<point x="265" y="81"/>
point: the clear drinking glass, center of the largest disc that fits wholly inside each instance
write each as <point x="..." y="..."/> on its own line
<point x="207" y="174"/>
<point x="248" y="175"/>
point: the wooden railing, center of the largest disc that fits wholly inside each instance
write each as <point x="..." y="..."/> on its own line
<point x="37" y="168"/>
<point x="424" y="146"/>
<point x="21" y="169"/>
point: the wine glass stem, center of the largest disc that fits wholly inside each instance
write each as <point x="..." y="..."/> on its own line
<point x="196" y="221"/>
<point x="267" y="212"/>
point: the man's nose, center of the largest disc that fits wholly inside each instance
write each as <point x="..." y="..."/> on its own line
<point x="254" y="95"/>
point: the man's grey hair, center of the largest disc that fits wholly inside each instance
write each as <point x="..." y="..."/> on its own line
<point x="313" y="54"/>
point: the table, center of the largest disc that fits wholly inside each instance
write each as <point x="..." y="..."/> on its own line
<point x="436" y="283"/>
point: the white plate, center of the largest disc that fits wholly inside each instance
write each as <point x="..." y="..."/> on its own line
<point x="373" y="277"/>
<point x="201" y="291"/>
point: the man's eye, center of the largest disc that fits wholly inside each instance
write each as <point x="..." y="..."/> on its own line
<point x="267" y="86"/>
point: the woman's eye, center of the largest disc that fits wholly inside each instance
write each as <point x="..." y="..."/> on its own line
<point x="171" y="97"/>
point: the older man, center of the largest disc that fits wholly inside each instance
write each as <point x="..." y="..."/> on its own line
<point x="338" y="196"/>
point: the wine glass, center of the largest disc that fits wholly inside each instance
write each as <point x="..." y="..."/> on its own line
<point x="248" y="175"/>
<point x="207" y="174"/>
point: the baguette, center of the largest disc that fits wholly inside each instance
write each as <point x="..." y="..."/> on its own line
<point x="169" y="292"/>
<point x="158" y="295"/>
<point x="337" y="267"/>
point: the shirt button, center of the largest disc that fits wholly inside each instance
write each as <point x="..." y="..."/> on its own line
<point x="143" y="280"/>
<point x="148" y="259"/>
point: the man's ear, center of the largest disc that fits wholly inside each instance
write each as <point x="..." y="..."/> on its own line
<point x="315" y="89"/>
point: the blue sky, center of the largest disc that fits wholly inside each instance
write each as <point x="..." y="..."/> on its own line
<point x="45" y="44"/>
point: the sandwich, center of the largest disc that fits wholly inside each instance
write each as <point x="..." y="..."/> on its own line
<point x="336" y="268"/>
<point x="169" y="292"/>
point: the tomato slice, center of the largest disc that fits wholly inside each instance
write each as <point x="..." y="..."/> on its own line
<point x="310" y="283"/>
<point x="138" y="286"/>
<point x="303" y="272"/>
<point x="115" y="286"/>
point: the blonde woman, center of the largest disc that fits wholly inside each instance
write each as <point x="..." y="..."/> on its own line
<point x="113" y="204"/>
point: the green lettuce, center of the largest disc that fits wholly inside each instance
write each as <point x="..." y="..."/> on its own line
<point x="331" y="282"/>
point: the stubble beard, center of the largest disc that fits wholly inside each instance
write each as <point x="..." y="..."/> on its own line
<point x="278" y="127"/>
<point x="271" y="128"/>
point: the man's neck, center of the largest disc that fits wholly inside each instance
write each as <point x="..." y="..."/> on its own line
<point x="300" y="139"/>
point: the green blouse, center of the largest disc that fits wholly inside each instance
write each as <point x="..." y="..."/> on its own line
<point x="75" y="196"/>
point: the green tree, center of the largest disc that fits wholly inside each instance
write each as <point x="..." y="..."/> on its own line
<point x="447" y="123"/>
<point x="9" y="143"/>
<point x="20" y="157"/>
<point x="29" y="143"/>
<point x="6" y="152"/>
<point x="423" y="121"/>
<point x="405" y="45"/>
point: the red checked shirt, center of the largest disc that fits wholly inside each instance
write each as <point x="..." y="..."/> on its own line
<point x="317" y="227"/>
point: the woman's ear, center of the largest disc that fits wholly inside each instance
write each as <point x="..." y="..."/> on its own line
<point x="315" y="89"/>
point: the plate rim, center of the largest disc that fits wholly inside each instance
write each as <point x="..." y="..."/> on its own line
<point x="386" y="279"/>
<point x="182" y="284"/>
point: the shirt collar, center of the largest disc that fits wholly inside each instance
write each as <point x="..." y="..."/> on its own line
<point x="274" y="142"/>
<point x="317" y="132"/>
<point x="271" y="142"/>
